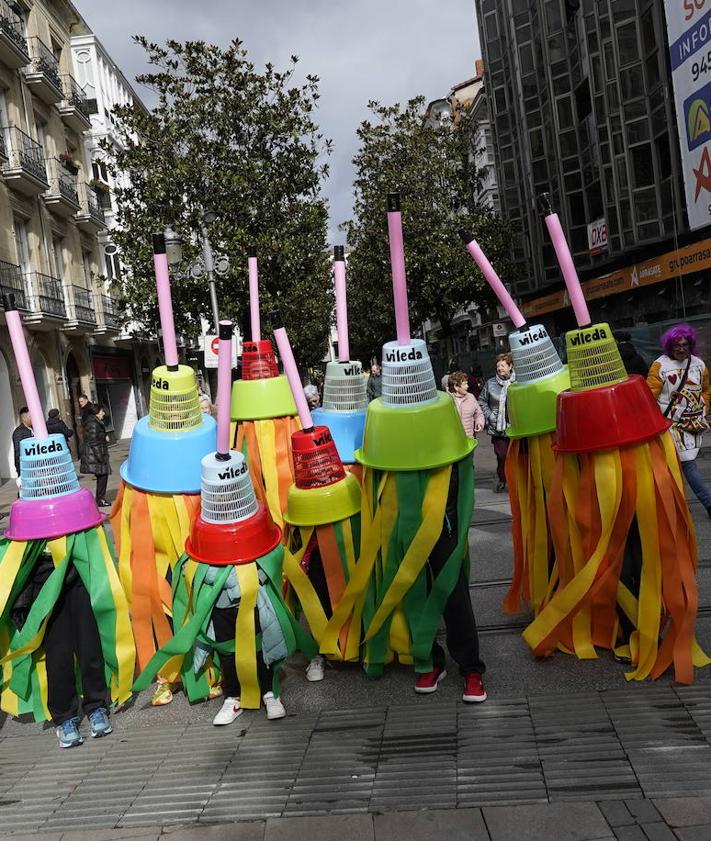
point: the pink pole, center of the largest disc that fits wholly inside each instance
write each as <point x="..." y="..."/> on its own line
<point x="165" y="303"/>
<point x="292" y="374"/>
<point x="224" y="388"/>
<point x="397" y="262"/>
<point x="254" y="293"/>
<point x="27" y="377"/>
<point x="567" y="267"/>
<point x="494" y="281"/>
<point x="339" y="275"/>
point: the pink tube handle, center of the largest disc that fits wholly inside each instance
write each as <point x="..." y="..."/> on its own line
<point x="494" y="281"/>
<point x="339" y="277"/>
<point x="27" y="377"/>
<point x="224" y="387"/>
<point x="165" y="302"/>
<point x="397" y="263"/>
<point x="254" y="295"/>
<point x="292" y="375"/>
<point x="567" y="267"/>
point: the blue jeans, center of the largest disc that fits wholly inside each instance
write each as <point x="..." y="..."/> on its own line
<point x="693" y="476"/>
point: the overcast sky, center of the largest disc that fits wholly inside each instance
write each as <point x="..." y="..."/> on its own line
<point x="389" y="50"/>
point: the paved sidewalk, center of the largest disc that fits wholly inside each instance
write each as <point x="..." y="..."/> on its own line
<point x="612" y="747"/>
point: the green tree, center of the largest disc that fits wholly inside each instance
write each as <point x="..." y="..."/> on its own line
<point x="245" y="145"/>
<point x="430" y="163"/>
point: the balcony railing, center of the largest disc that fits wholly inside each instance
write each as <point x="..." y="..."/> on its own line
<point x="74" y="95"/>
<point x="63" y="182"/>
<point x="11" y="25"/>
<point x="110" y="309"/>
<point x="47" y="295"/>
<point x="93" y="205"/>
<point x="24" y="152"/>
<point x="83" y="309"/>
<point x="12" y="283"/>
<point x="44" y="61"/>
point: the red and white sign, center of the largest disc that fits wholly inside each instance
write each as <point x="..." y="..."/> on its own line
<point x="211" y="347"/>
<point x="597" y="237"/>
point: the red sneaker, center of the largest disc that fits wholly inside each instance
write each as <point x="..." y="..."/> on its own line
<point x="474" y="692"/>
<point x="427" y="683"/>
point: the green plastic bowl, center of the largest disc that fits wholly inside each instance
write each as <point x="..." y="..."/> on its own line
<point x="320" y="506"/>
<point x="532" y="406"/>
<point x="413" y="437"/>
<point x="262" y="399"/>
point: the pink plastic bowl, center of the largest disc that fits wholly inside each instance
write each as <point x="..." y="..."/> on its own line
<point x="43" y="519"/>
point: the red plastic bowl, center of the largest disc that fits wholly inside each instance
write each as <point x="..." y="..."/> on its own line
<point x="233" y="543"/>
<point x="259" y="361"/>
<point x="607" y="418"/>
<point x="316" y="459"/>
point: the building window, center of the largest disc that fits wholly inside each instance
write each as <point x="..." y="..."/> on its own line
<point x="99" y="171"/>
<point x="113" y="263"/>
<point x="642" y="166"/>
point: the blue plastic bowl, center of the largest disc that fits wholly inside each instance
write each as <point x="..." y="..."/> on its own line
<point x="168" y="462"/>
<point x="346" y="430"/>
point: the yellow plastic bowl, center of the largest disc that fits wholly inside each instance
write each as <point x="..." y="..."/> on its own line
<point x="319" y="506"/>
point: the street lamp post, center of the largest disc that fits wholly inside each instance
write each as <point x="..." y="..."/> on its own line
<point x="209" y="264"/>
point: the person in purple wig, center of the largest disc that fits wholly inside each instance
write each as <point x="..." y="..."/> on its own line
<point x="680" y="381"/>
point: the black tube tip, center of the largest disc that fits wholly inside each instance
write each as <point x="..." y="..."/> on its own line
<point x="393" y="202"/>
<point x="222" y="456"/>
<point x="172" y="367"/>
<point x="8" y="302"/>
<point x="225" y="330"/>
<point x="339" y="253"/>
<point x="159" y="243"/>
<point x="466" y="236"/>
<point x="252" y="251"/>
<point x="544" y="204"/>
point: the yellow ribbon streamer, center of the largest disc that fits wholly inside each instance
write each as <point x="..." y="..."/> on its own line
<point x="246" y="638"/>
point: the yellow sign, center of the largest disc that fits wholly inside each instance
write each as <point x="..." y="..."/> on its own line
<point x="693" y="258"/>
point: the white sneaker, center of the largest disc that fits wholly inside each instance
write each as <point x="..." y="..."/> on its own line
<point x="315" y="669"/>
<point x="229" y="711"/>
<point x="275" y="708"/>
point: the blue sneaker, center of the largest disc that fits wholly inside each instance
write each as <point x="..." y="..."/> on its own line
<point x="100" y="724"/>
<point x="68" y="734"/>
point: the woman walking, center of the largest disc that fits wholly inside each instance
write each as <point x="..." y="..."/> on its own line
<point x="680" y="382"/>
<point x="469" y="410"/>
<point x="95" y="453"/>
<point x="493" y="404"/>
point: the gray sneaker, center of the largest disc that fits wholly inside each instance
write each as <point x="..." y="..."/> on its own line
<point x="100" y="724"/>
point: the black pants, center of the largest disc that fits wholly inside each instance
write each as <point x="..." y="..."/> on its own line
<point x="462" y="636"/>
<point x="223" y="621"/>
<point x="630" y="574"/>
<point x="317" y="577"/>
<point x="101" y="483"/>
<point x="71" y="631"/>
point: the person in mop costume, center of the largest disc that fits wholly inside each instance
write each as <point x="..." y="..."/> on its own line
<point x="159" y="495"/>
<point x="345" y="395"/>
<point x="227" y="583"/>
<point x="631" y="583"/>
<point x="63" y="616"/>
<point x="323" y="516"/>
<point x="539" y="534"/>
<point x="264" y="412"/>
<point x="418" y="495"/>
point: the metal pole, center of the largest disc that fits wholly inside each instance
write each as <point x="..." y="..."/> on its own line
<point x="210" y="269"/>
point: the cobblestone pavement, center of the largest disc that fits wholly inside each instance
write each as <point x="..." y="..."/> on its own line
<point x="562" y="750"/>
